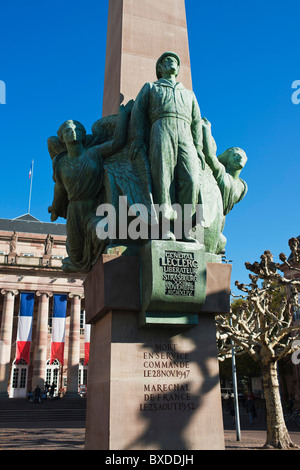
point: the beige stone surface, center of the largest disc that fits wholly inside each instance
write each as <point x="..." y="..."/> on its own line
<point x="168" y="11"/>
<point x="118" y="411"/>
<point x="148" y="38"/>
<point x="159" y="386"/>
<point x="138" y="33"/>
<point x="116" y="280"/>
<point x="98" y="398"/>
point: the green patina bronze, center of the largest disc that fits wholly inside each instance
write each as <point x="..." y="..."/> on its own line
<point x="166" y="128"/>
<point x="159" y="154"/>
<point x="173" y="282"/>
<point x="78" y="171"/>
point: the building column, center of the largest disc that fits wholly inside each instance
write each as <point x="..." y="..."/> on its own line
<point x="40" y="346"/>
<point x="6" y="337"/>
<point x="74" y="345"/>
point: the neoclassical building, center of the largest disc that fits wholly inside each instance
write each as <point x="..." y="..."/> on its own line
<point x="43" y="336"/>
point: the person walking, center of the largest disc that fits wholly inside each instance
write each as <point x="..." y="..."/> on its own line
<point x="51" y="390"/>
<point x="37" y="394"/>
<point x="251" y="409"/>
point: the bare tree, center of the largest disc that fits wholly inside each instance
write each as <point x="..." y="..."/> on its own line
<point x="264" y="329"/>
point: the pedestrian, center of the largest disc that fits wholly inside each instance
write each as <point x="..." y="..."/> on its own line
<point x="251" y="409"/>
<point x="46" y="388"/>
<point x="52" y="388"/>
<point x="230" y="405"/>
<point x="37" y="394"/>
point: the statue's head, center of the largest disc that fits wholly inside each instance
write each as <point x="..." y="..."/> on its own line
<point x="167" y="62"/>
<point x="234" y="159"/>
<point x="71" y="132"/>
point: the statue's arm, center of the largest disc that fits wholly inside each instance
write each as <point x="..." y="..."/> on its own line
<point x="214" y="164"/>
<point x="60" y="201"/>
<point x="139" y="121"/>
<point x="196" y="128"/>
<point x="59" y="204"/>
<point x="210" y="149"/>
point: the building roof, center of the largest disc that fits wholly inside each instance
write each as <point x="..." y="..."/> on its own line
<point x="29" y="224"/>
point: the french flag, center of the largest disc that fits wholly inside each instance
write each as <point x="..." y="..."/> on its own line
<point x="30" y="170"/>
<point x="58" y="328"/>
<point x="25" y="326"/>
<point x="87" y="335"/>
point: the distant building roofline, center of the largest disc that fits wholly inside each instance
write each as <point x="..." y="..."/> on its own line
<point x="27" y="217"/>
<point x="27" y="223"/>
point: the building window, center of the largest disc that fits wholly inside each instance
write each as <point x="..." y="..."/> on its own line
<point x="82" y="373"/>
<point x="23" y="378"/>
<point x="52" y="374"/>
<point x="82" y="321"/>
<point x="15" y="378"/>
<point x="50" y="315"/>
<point x="82" y="378"/>
<point x="18" y="379"/>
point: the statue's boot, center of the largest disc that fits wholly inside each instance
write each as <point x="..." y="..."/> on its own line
<point x="189" y="239"/>
<point x="168" y="235"/>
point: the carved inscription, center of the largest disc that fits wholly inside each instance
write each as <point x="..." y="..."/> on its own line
<point x="168" y="388"/>
<point x="179" y="271"/>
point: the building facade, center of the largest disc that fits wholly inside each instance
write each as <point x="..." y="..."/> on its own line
<point x="292" y="377"/>
<point x="43" y="336"/>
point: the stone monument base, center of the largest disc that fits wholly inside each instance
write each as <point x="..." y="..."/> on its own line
<point x="153" y="387"/>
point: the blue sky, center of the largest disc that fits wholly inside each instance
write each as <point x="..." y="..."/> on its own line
<point x="244" y="59"/>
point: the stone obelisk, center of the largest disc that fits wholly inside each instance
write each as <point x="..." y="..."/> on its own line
<point x="138" y="32"/>
<point x="153" y="387"/>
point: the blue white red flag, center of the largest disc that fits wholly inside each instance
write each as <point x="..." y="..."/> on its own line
<point x="58" y="328"/>
<point x="25" y="327"/>
<point x="87" y="335"/>
<point x="30" y="170"/>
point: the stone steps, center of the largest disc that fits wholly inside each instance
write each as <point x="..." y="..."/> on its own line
<point x="10" y="416"/>
<point x="22" y="411"/>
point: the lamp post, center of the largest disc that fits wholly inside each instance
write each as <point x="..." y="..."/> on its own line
<point x="234" y="380"/>
<point x="235" y="392"/>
